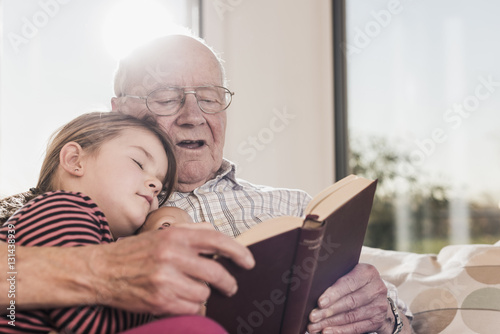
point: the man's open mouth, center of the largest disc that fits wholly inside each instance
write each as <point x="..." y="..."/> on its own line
<point x="191" y="144"/>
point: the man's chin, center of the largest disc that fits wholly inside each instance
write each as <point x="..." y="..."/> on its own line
<point x="193" y="175"/>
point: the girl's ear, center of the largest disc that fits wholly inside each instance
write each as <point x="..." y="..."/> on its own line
<point x="71" y="159"/>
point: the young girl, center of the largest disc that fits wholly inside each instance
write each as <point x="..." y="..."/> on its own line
<point x="102" y="175"/>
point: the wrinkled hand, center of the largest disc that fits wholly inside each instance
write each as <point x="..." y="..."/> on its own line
<point x="162" y="272"/>
<point x="356" y="303"/>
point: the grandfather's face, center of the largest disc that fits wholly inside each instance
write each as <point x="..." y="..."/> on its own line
<point x="198" y="137"/>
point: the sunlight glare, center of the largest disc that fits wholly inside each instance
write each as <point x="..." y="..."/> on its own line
<point x="131" y="23"/>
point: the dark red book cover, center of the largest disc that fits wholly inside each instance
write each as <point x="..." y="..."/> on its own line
<point x="340" y="250"/>
<point x="305" y="264"/>
<point x="294" y="268"/>
<point x="259" y="304"/>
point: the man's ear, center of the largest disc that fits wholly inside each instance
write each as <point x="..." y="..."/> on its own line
<point x="71" y="159"/>
<point x="114" y="104"/>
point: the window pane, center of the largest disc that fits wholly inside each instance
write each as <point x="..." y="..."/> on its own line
<point x="57" y="61"/>
<point x="423" y="99"/>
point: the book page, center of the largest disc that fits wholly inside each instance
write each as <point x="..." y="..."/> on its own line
<point x="268" y="229"/>
<point x="326" y="192"/>
<point x="338" y="196"/>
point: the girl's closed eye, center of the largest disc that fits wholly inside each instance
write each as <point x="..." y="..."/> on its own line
<point x="138" y="164"/>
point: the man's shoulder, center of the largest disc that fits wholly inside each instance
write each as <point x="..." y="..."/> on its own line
<point x="230" y="171"/>
<point x="267" y="188"/>
<point x="276" y="196"/>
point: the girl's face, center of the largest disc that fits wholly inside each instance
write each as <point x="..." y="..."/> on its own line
<point x="124" y="178"/>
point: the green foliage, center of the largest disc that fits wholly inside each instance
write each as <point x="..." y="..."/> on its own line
<point x="427" y="203"/>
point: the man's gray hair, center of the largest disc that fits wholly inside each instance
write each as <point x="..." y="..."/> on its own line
<point x="141" y="58"/>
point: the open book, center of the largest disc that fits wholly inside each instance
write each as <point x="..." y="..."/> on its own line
<point x="297" y="259"/>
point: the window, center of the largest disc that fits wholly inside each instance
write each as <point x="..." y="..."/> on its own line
<point x="423" y="92"/>
<point x="57" y="61"/>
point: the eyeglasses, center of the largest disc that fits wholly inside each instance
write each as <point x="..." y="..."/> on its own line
<point x="168" y="101"/>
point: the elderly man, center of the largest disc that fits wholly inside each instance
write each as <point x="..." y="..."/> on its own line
<point x="180" y="81"/>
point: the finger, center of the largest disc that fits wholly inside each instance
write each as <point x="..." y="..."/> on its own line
<point x="183" y="307"/>
<point x="187" y="287"/>
<point x="365" y="326"/>
<point x="188" y="296"/>
<point x="375" y="311"/>
<point x="370" y="294"/>
<point x="365" y="306"/>
<point x="186" y="245"/>
<point x="160" y="286"/>
<point x="174" y="304"/>
<point x="175" y="300"/>
<point x="363" y="276"/>
<point x="214" y="242"/>
<point x="210" y="271"/>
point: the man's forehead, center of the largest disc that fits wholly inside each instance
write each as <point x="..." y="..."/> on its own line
<point x="146" y="83"/>
<point x="173" y="60"/>
<point x="171" y="71"/>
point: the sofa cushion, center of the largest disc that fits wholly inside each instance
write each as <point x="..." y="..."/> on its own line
<point x="455" y="291"/>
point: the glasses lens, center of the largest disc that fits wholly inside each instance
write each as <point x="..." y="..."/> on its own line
<point x="165" y="101"/>
<point x="213" y="99"/>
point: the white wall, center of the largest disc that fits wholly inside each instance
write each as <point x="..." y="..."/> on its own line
<point x="57" y="59"/>
<point x="278" y="59"/>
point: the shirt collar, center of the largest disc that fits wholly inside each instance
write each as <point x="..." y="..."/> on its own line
<point x="227" y="170"/>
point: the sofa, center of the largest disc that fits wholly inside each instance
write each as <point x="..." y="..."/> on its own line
<point x="455" y="291"/>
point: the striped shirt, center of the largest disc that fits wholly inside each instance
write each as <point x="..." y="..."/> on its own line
<point x="233" y="206"/>
<point x="64" y="219"/>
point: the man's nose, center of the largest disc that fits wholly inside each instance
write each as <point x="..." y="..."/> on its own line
<point x="190" y="112"/>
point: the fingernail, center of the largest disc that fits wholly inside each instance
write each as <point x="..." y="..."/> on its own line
<point x="315" y="316"/>
<point x="233" y="291"/>
<point x="324" y="301"/>
<point x="250" y="260"/>
<point x="313" y="328"/>
<point x="327" y="331"/>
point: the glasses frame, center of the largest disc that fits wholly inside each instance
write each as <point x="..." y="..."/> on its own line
<point x="183" y="101"/>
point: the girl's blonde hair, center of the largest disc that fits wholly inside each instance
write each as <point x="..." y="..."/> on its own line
<point x="93" y="129"/>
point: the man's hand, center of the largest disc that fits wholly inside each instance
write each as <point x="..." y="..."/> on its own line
<point x="356" y="303"/>
<point x="162" y="272"/>
<point x="159" y="272"/>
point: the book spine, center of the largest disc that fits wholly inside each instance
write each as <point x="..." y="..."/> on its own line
<point x="301" y="277"/>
